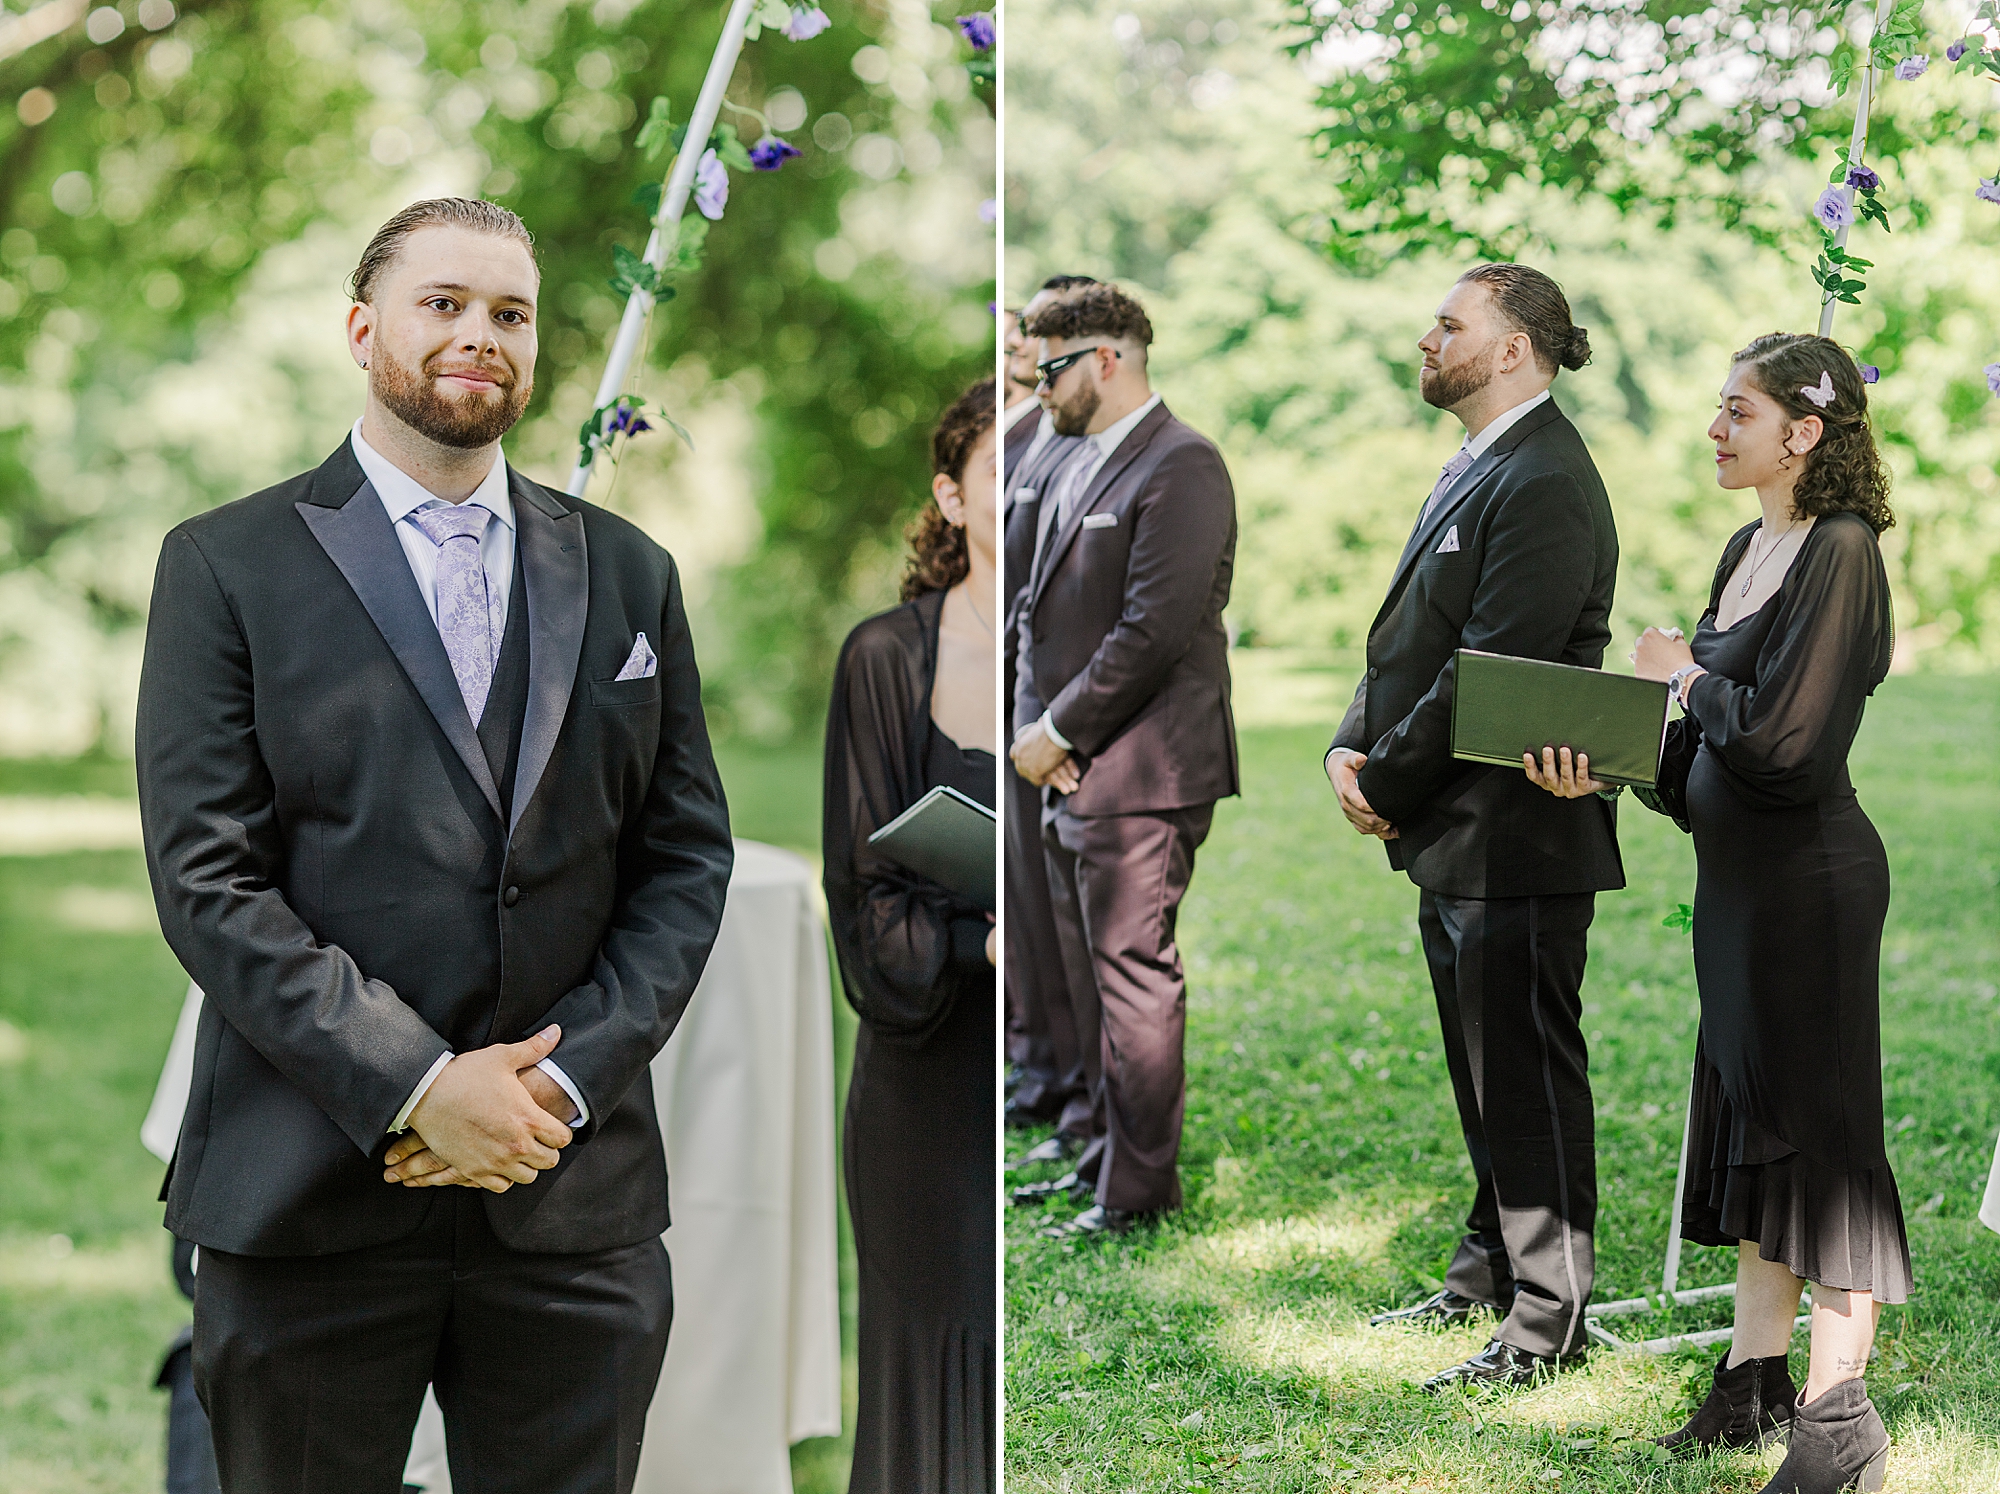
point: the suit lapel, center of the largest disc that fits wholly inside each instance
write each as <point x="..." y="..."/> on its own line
<point x="357" y="536"/>
<point x="556" y="568"/>
<point x="1127" y="452"/>
<point x="1490" y="461"/>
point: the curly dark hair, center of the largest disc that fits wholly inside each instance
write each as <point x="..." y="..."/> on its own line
<point x="1095" y="310"/>
<point x="938" y="560"/>
<point x="1844" y="473"/>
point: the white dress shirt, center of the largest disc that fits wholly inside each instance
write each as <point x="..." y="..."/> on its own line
<point x="1077" y="476"/>
<point x="402" y="495"/>
<point x="1477" y="446"/>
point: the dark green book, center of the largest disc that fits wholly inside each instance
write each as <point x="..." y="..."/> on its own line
<point x="949" y="838"/>
<point x="1502" y="707"/>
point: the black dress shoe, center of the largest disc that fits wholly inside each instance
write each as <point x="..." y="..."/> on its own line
<point x="1503" y="1364"/>
<point x="1068" y="1185"/>
<point x="1025" y="1114"/>
<point x="1058" y="1148"/>
<point x="1095" y="1221"/>
<point x="1446" y="1309"/>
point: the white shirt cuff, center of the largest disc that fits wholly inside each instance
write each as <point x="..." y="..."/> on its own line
<point x="548" y="1066"/>
<point x="1048" y="726"/>
<point x="402" y="1121"/>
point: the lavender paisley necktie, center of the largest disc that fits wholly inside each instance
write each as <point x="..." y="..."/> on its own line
<point x="1461" y="459"/>
<point x="464" y="610"/>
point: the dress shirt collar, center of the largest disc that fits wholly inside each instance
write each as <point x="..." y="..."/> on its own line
<point x="402" y="495"/>
<point x="1017" y="412"/>
<point x="1477" y="446"/>
<point x="1113" y="436"/>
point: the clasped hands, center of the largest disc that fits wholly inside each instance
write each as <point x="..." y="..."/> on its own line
<point x="1037" y="759"/>
<point x="489" y="1120"/>
<point x="1343" y="769"/>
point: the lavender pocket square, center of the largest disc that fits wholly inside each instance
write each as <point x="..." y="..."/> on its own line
<point x="640" y="663"/>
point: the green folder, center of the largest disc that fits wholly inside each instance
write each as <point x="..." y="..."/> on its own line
<point x="1502" y="707"/>
<point x="949" y="838"/>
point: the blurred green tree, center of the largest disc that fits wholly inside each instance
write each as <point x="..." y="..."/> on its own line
<point x="155" y="151"/>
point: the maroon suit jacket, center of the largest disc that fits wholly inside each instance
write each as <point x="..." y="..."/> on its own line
<point x="1121" y="635"/>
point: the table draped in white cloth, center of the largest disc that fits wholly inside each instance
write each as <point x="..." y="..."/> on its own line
<point x="745" y="1097"/>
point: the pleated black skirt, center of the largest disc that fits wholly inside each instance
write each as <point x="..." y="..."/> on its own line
<point x="1837" y="1229"/>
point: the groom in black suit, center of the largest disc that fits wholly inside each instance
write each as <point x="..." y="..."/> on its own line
<point x="432" y="818"/>
<point x="1514" y="552"/>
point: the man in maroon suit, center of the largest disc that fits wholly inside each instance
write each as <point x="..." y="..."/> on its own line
<point x="1121" y="716"/>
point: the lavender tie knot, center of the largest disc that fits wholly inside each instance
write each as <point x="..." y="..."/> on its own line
<point x="465" y="610"/>
<point x="1461" y="459"/>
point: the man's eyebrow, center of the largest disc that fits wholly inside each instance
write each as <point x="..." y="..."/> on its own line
<point x="447" y="285"/>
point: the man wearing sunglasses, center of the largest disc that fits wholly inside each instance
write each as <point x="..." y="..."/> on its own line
<point x="1121" y="715"/>
<point x="1045" y="1071"/>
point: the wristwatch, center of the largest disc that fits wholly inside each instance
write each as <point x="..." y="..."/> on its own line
<point x="1677" y="682"/>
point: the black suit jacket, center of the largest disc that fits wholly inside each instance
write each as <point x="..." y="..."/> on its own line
<point x="1025" y="482"/>
<point x="1121" y="635"/>
<point x="331" y="866"/>
<point x="1531" y="574"/>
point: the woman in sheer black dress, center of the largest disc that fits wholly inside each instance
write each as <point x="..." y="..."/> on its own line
<point x="913" y="707"/>
<point x="1786" y="1158"/>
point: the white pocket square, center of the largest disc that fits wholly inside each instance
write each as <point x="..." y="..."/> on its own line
<point x="640" y="663"/>
<point x="1100" y="521"/>
<point x="1448" y="546"/>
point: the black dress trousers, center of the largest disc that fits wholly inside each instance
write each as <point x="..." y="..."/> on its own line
<point x="313" y="1368"/>
<point x="1508" y="973"/>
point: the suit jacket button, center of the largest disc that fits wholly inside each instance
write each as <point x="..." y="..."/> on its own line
<point x="511" y="896"/>
<point x="1374" y="673"/>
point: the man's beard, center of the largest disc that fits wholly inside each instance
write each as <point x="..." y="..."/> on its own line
<point x="1448" y="387"/>
<point x="1072" y="417"/>
<point x="466" y="424"/>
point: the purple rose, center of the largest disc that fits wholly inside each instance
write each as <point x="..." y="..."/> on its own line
<point x="1912" y="68"/>
<point x="1870" y="374"/>
<point x="770" y="153"/>
<point x="711" y="186"/>
<point x="989" y="210"/>
<point x="1992" y="372"/>
<point x="1955" y="51"/>
<point x="1988" y="189"/>
<point x="807" y="22"/>
<point x="1833" y="210"/>
<point x="1862" y="178"/>
<point x="978" y="29"/>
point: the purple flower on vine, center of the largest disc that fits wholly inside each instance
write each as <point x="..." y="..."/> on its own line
<point x="1988" y="189"/>
<point x="1992" y="372"/>
<point x="770" y="153"/>
<point x="989" y="210"/>
<point x="807" y="22"/>
<point x="711" y="186"/>
<point x="1870" y="374"/>
<point x="1955" y="51"/>
<point x="1863" y="179"/>
<point x="627" y="419"/>
<point x="1833" y="210"/>
<point x="1912" y="68"/>
<point x="978" y="29"/>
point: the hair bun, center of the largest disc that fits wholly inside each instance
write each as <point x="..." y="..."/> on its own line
<point x="1578" y="352"/>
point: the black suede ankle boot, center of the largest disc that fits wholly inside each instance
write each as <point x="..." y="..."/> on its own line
<point x="1838" y="1443"/>
<point x="1746" y="1407"/>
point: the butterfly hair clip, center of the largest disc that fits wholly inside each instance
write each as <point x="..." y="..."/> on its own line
<point x="1821" y="393"/>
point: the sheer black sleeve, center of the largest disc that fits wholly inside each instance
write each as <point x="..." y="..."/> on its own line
<point x="1783" y="741"/>
<point x="892" y="930"/>
<point x="1669" y="795"/>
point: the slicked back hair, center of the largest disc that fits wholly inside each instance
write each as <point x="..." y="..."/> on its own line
<point x="435" y="212"/>
<point x="1093" y="311"/>
<point x="1534" y="304"/>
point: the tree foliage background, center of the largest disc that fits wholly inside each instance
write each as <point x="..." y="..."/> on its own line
<point x="184" y="188"/>
<point x="1291" y="191"/>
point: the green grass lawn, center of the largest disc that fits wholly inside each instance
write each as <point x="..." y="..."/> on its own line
<point x="1326" y="1178"/>
<point x="88" y="997"/>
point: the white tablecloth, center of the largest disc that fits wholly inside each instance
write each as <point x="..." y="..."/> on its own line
<point x="745" y="1095"/>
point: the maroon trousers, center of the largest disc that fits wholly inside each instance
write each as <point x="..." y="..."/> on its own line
<point x="1115" y="886"/>
<point x="1041" y="1032"/>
